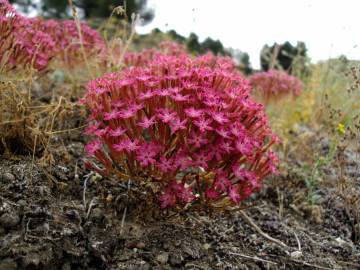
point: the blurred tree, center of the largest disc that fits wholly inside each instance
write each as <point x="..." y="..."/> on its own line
<point x="215" y="46"/>
<point x="90" y="8"/>
<point x="25" y="5"/>
<point x="192" y="43"/>
<point x="283" y="56"/>
<point x="242" y="60"/>
<point x="175" y="36"/>
<point x="152" y="39"/>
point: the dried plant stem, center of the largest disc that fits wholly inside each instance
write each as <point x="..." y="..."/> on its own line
<point x="78" y="26"/>
<point x="84" y="189"/>
<point x="117" y="10"/>
<point x="129" y="40"/>
<point x="298" y="241"/>
<point x="33" y="158"/>
<point x="257" y="229"/>
<point x="65" y="130"/>
<point x="91" y="205"/>
<point x="53" y="113"/>
<point x="125" y="210"/>
<point x="312" y="265"/>
<point x="255" y="258"/>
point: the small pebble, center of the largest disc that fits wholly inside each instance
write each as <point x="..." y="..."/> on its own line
<point x="296" y="254"/>
<point x="32" y="259"/>
<point x="344" y="244"/>
<point x="145" y="266"/>
<point x="175" y="260"/>
<point x="136" y="244"/>
<point x="206" y="246"/>
<point x="21" y="202"/>
<point x="163" y="257"/>
<point x="7" y="177"/>
<point x="97" y="214"/>
<point x="9" y="220"/>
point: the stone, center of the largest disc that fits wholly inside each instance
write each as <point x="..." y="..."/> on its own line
<point x="97" y="214"/>
<point x="32" y="259"/>
<point x="8" y="220"/>
<point x="163" y="257"/>
<point x="22" y="203"/>
<point x="145" y="265"/>
<point x="176" y="260"/>
<point x="344" y="244"/>
<point x="7" y="177"/>
<point x="206" y="246"/>
<point x="296" y="254"/>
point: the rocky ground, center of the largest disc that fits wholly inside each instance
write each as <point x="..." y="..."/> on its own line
<point x="64" y="217"/>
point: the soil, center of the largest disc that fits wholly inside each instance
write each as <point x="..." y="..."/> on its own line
<point x="49" y="220"/>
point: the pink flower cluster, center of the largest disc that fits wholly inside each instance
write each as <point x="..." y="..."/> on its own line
<point x="65" y="35"/>
<point x="186" y="125"/>
<point x="274" y="84"/>
<point x="34" y="42"/>
<point x="222" y="62"/>
<point x="146" y="56"/>
<point x="169" y="48"/>
<point x="20" y="43"/>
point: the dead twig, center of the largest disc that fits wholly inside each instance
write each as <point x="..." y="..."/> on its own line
<point x="194" y="265"/>
<point x="350" y="263"/>
<point x="312" y="265"/>
<point x="87" y="177"/>
<point x="125" y="210"/>
<point x="91" y="205"/>
<point x="255" y="258"/>
<point x="298" y="241"/>
<point x="263" y="234"/>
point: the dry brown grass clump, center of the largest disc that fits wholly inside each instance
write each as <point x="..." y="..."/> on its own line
<point x="29" y="120"/>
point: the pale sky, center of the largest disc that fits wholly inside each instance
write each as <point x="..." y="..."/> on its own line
<point x="329" y="28"/>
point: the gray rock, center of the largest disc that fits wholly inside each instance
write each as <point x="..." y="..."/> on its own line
<point x="163" y="257"/>
<point x="124" y="257"/>
<point x="145" y="266"/>
<point x="22" y="204"/>
<point x="32" y="259"/>
<point x="8" y="220"/>
<point x="8" y="264"/>
<point x="19" y="171"/>
<point x="176" y="260"/>
<point x="7" y="177"/>
<point x="97" y="214"/>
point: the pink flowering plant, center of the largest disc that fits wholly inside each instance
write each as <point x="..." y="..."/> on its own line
<point x="169" y="48"/>
<point x="68" y="41"/>
<point x="187" y="128"/>
<point x="146" y="56"/>
<point x="211" y="60"/>
<point x="273" y="85"/>
<point x="21" y="44"/>
<point x="34" y="42"/>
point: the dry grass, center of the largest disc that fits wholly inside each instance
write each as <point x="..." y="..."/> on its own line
<point x="29" y="118"/>
<point x="35" y="108"/>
